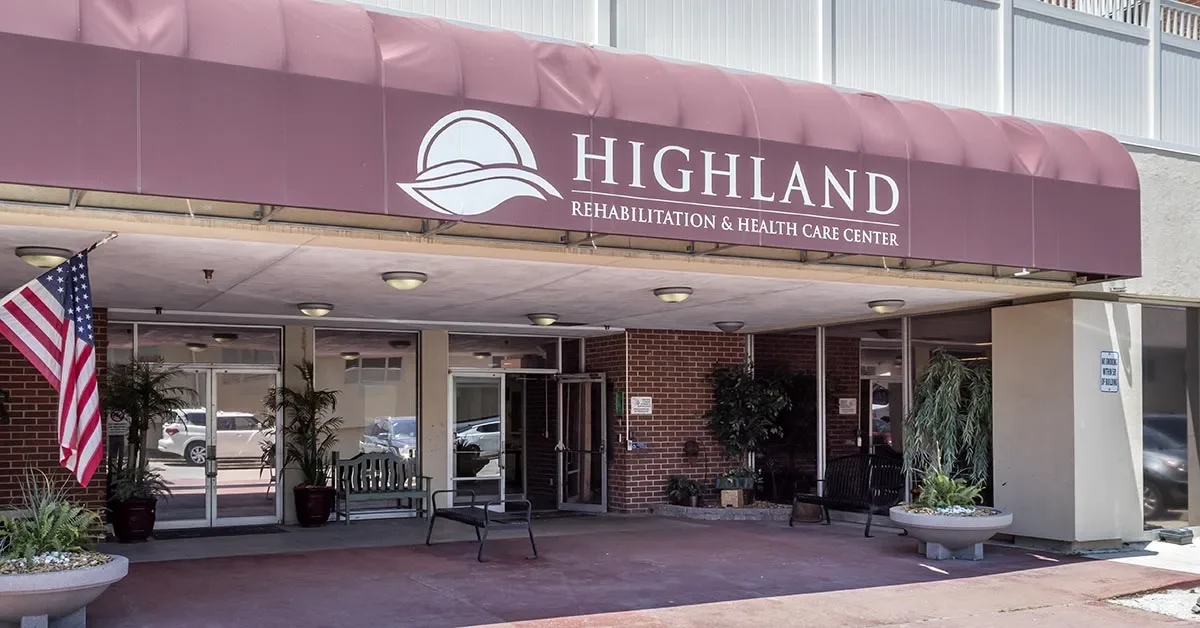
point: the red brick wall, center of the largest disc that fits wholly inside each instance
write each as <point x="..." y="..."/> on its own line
<point x="607" y="355"/>
<point x="31" y="439"/>
<point x="674" y="368"/>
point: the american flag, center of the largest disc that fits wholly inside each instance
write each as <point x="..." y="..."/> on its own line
<point x="50" y="321"/>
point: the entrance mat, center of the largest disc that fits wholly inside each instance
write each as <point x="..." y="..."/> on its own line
<point x="199" y="533"/>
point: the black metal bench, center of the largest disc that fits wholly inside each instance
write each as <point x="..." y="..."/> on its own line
<point x="861" y="483"/>
<point x="483" y="518"/>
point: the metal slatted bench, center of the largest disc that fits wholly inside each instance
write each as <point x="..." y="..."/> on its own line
<point x="861" y="483"/>
<point x="482" y="518"/>
<point x="376" y="477"/>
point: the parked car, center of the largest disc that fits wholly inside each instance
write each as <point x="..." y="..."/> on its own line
<point x="393" y="434"/>
<point x="1164" y="470"/>
<point x="240" y="435"/>
<point x="483" y="436"/>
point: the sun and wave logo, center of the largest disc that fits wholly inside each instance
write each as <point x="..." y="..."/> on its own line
<point x="471" y="161"/>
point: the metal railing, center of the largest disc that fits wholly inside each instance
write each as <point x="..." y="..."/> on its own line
<point x="1178" y="18"/>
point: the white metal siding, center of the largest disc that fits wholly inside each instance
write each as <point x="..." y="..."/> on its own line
<point x="1181" y="94"/>
<point x="562" y="19"/>
<point x="779" y="37"/>
<point x="1079" y="74"/>
<point x="938" y="50"/>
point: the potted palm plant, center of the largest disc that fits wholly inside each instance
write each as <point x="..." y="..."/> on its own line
<point x="947" y="441"/>
<point x="309" y="436"/>
<point x="49" y="569"/>
<point x="683" y="491"/>
<point x="142" y="394"/>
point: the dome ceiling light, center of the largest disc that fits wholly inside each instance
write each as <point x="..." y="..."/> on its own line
<point x="885" y="306"/>
<point x="405" y="279"/>
<point x="673" y="294"/>
<point x="729" y="326"/>
<point x="43" y="256"/>
<point x="315" y="310"/>
<point x="400" y="344"/>
<point x="350" y="356"/>
<point x="224" y="338"/>
<point x="196" y="347"/>
<point x="543" y="319"/>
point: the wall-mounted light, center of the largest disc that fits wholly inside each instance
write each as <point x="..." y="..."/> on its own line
<point x="885" y="306"/>
<point x="43" y="256"/>
<point x="349" y="355"/>
<point x="405" y="279"/>
<point x="729" y="326"/>
<point x="544" y="319"/>
<point x="196" y="347"/>
<point x="315" y="309"/>
<point x="673" y="294"/>
<point x="224" y="338"/>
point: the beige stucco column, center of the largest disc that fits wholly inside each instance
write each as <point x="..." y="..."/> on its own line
<point x="297" y="347"/>
<point x="1068" y="457"/>
<point x="435" y="411"/>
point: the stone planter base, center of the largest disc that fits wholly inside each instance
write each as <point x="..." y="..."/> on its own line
<point x="937" y="551"/>
<point x="57" y="599"/>
<point x="941" y="537"/>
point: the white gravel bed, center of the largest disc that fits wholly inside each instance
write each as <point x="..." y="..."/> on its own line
<point x="1176" y="603"/>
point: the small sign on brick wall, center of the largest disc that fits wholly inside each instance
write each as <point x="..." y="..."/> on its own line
<point x="641" y="405"/>
<point x="848" y="405"/>
<point x="117" y="426"/>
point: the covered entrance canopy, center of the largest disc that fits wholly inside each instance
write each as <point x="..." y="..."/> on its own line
<point x="327" y="106"/>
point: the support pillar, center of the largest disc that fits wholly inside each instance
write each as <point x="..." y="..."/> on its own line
<point x="434" y="430"/>
<point x="1068" y="456"/>
<point x="297" y="347"/>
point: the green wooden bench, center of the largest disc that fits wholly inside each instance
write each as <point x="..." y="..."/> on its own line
<point x="376" y="477"/>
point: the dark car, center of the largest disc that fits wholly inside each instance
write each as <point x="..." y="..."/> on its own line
<point x="1164" y="469"/>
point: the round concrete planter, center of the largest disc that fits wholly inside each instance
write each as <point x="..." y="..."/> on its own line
<point x="56" y="594"/>
<point x="953" y="533"/>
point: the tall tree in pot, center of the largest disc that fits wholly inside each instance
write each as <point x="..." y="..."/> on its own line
<point x="309" y="435"/>
<point x="142" y="394"/>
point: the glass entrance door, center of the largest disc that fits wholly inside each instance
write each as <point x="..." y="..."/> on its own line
<point x="211" y="454"/>
<point x="583" y="444"/>
<point x="477" y="437"/>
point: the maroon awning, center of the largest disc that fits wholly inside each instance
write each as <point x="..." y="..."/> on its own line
<point x="312" y="104"/>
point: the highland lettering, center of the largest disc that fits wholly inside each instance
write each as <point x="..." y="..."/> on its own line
<point x="676" y="169"/>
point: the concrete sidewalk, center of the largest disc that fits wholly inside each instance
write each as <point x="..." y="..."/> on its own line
<point x="650" y="573"/>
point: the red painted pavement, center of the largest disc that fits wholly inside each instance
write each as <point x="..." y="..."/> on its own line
<point x="723" y="574"/>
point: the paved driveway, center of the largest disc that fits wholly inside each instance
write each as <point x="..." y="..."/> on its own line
<point x="661" y="574"/>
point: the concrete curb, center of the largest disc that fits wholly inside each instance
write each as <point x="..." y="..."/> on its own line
<point x="721" y="514"/>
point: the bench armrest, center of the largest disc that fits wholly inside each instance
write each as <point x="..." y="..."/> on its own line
<point x="433" y="497"/>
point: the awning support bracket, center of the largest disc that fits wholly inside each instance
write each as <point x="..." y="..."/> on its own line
<point x="74" y="197"/>
<point x="442" y="227"/>
<point x="264" y="213"/>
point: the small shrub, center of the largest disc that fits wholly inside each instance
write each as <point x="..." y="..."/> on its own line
<point x="47" y="521"/>
<point x="939" y="490"/>
<point x="680" y="488"/>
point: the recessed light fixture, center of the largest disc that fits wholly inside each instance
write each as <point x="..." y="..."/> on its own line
<point x="673" y="294"/>
<point x="43" y="256"/>
<point x="479" y="355"/>
<point x="729" y="326"/>
<point x="405" y="279"/>
<point x="885" y="306"/>
<point x="224" y="338"/>
<point x="349" y="355"/>
<point x="196" y="347"/>
<point x="315" y="309"/>
<point x="400" y="344"/>
<point x="544" y="319"/>
<point x="1024" y="272"/>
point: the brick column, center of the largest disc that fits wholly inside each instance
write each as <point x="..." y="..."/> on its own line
<point x="31" y="440"/>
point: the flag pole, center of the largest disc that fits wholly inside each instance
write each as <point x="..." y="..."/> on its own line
<point x="108" y="238"/>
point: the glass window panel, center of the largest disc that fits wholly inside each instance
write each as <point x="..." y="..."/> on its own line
<point x="1165" y="447"/>
<point x="378" y="389"/>
<point x="198" y="344"/>
<point x="510" y="352"/>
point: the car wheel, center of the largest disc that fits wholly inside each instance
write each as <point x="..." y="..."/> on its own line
<point x="196" y="454"/>
<point x="1152" y="501"/>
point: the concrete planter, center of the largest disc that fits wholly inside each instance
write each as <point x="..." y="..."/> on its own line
<point x="941" y="537"/>
<point x="56" y="599"/>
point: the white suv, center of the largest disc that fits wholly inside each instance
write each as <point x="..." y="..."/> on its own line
<point x="239" y="435"/>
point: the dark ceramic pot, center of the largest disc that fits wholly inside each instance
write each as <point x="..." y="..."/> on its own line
<point x="133" y="519"/>
<point x="313" y="505"/>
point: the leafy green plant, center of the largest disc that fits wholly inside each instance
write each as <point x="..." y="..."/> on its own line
<point x="949" y="431"/>
<point x="939" y="490"/>
<point x="143" y="394"/>
<point x="680" y="488"/>
<point x="47" y="521"/>
<point x="745" y="409"/>
<point x="751" y="477"/>
<point x="309" y="431"/>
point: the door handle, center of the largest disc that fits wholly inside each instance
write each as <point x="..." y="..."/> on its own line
<point x="211" y="462"/>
